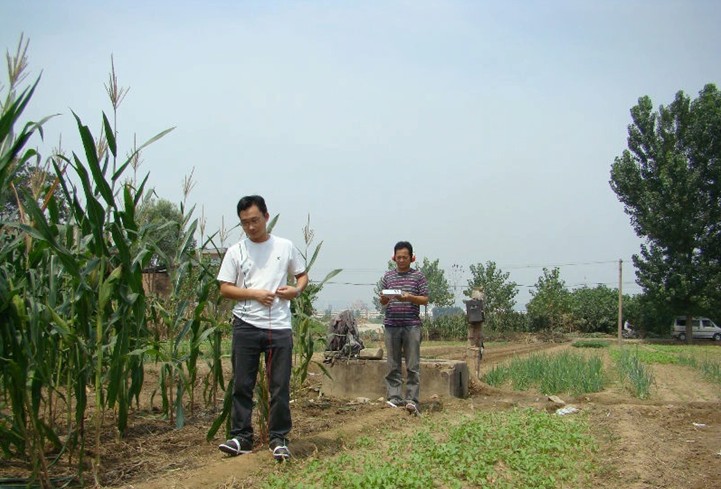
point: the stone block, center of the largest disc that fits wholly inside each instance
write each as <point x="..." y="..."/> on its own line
<point x="371" y="354"/>
<point x="366" y="378"/>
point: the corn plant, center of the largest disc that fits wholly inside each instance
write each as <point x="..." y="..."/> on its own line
<point x="73" y="305"/>
<point x="186" y="326"/>
<point x="305" y="336"/>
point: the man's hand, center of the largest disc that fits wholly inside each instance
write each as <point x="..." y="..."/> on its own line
<point x="265" y="297"/>
<point x="287" y="292"/>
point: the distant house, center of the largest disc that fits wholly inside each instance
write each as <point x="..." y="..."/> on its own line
<point x="156" y="281"/>
<point x="215" y="255"/>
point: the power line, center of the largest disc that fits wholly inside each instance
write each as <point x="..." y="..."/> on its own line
<point x="518" y="267"/>
<point x="501" y="267"/>
<point x="467" y="279"/>
<point x="456" y="287"/>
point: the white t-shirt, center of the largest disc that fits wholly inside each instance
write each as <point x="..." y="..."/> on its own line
<point x="265" y="265"/>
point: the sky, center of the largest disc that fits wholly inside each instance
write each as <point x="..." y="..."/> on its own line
<point x="477" y="130"/>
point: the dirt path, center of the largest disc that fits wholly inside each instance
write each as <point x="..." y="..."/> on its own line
<point x="320" y="426"/>
<point x="672" y="440"/>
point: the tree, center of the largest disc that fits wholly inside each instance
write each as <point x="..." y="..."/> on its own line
<point x="669" y="182"/>
<point x="500" y="293"/>
<point x="595" y="309"/>
<point x="164" y="221"/>
<point x="550" y="305"/>
<point x="439" y="290"/>
<point x="32" y="180"/>
<point x="441" y="311"/>
<point x="645" y="315"/>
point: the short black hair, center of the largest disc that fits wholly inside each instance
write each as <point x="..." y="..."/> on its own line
<point x="249" y="201"/>
<point x="403" y="245"/>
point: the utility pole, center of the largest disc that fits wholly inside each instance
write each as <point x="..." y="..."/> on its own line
<point x="620" y="300"/>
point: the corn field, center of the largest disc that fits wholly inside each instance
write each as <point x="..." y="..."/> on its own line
<point x="77" y="327"/>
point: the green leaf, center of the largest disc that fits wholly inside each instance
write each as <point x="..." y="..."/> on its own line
<point x="110" y="136"/>
<point x="224" y="414"/>
<point x="94" y="163"/>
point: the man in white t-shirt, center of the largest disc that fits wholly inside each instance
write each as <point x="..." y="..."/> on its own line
<point x="254" y="273"/>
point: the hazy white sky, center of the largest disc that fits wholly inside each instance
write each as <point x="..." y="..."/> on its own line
<point x="476" y="130"/>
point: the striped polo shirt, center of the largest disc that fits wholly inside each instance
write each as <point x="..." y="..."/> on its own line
<point x="404" y="313"/>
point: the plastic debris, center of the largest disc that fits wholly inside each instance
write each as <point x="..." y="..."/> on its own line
<point x="566" y="410"/>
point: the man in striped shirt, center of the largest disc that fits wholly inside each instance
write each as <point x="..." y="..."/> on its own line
<point x="404" y="290"/>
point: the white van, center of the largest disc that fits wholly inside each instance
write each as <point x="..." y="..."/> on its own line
<point x="703" y="328"/>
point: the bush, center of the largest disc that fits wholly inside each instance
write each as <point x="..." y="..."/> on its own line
<point x="507" y="321"/>
<point x="447" y="328"/>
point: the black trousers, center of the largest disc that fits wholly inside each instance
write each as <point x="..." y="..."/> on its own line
<point x="276" y="345"/>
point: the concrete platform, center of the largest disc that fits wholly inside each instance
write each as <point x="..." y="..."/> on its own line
<point x="366" y="378"/>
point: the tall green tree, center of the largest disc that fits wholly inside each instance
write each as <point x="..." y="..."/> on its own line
<point x="595" y="309"/>
<point x="500" y="292"/>
<point x="439" y="290"/>
<point x="550" y="305"/>
<point x="669" y="180"/>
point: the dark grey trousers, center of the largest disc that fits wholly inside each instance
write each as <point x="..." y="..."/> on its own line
<point x="403" y="342"/>
<point x="249" y="343"/>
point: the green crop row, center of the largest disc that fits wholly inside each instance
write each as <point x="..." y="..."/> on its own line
<point x="520" y="448"/>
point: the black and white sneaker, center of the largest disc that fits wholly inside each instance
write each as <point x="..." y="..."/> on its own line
<point x="394" y="403"/>
<point x="279" y="447"/>
<point x="235" y="447"/>
<point x="412" y="408"/>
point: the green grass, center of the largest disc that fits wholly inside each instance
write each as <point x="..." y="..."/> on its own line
<point x="705" y="358"/>
<point x="551" y="374"/>
<point x="591" y="344"/>
<point x="521" y="448"/>
<point x="660" y="354"/>
<point x="633" y="364"/>
<point x="710" y="369"/>
<point x="634" y="372"/>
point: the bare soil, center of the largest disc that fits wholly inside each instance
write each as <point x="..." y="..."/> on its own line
<point x="671" y="440"/>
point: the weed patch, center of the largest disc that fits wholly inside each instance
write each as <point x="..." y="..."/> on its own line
<point x="510" y="449"/>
